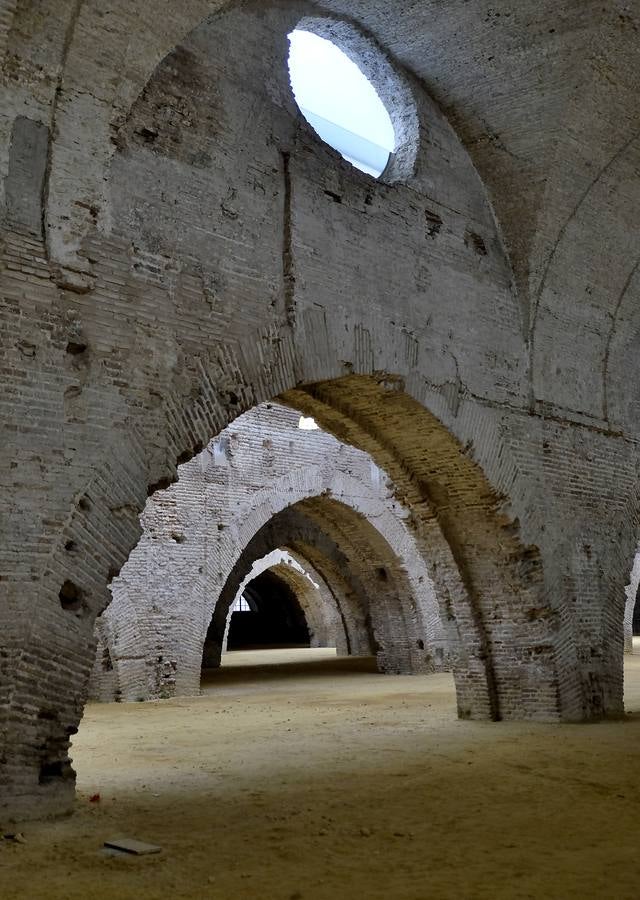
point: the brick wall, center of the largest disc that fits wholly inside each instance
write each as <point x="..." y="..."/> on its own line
<point x="198" y="253"/>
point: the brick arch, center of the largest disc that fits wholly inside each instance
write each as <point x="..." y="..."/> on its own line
<point x="448" y="494"/>
<point x="307" y="486"/>
<point x="160" y="574"/>
<point x="140" y="364"/>
<point x="375" y="582"/>
<point x="165" y="343"/>
<point x="335" y="623"/>
<point x="319" y="604"/>
<point x="121" y="528"/>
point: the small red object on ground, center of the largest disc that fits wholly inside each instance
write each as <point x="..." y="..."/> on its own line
<point x="94" y="798"/>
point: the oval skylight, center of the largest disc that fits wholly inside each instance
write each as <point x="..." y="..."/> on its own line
<point x="339" y="102"/>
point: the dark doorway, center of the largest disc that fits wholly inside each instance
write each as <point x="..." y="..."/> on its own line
<point x="270" y="616"/>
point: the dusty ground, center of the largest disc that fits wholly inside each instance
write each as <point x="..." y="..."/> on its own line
<point x="329" y="781"/>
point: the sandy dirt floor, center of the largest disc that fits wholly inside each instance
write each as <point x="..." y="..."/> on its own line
<point x="321" y="779"/>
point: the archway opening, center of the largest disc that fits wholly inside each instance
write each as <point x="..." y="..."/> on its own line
<point x="368" y="599"/>
<point x="380" y="480"/>
<point x="281" y="613"/>
<point x="352" y="521"/>
<point x="267" y="615"/>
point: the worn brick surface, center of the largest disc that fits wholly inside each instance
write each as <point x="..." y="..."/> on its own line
<point x="472" y="325"/>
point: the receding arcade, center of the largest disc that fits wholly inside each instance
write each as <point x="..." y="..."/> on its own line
<point x="187" y="269"/>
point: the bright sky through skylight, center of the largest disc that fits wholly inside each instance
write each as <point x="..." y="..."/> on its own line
<point x="332" y="91"/>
